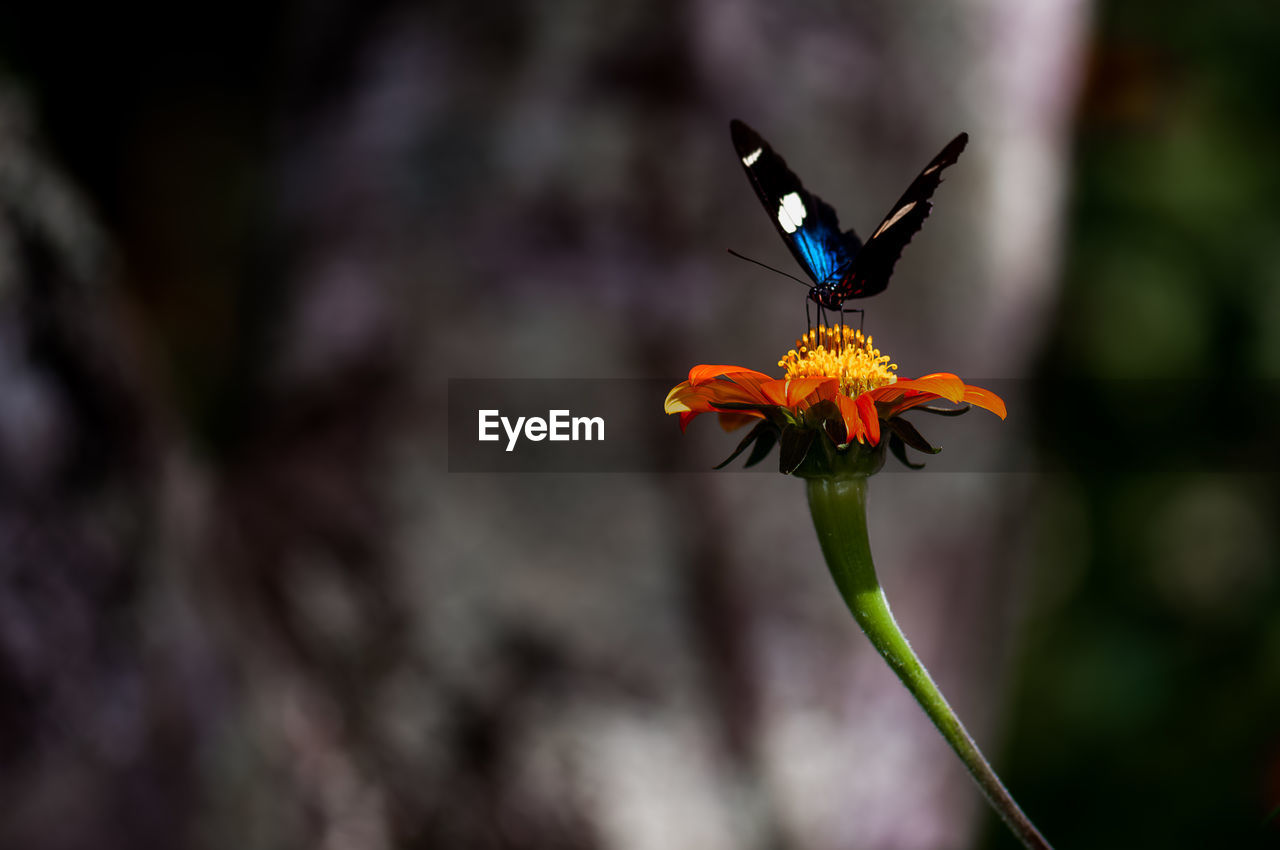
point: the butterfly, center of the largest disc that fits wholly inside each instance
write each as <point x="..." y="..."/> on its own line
<point x="839" y="263"/>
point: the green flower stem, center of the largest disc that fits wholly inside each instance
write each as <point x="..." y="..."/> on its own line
<point x="839" y="512"/>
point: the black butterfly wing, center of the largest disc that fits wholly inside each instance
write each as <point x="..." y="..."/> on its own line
<point x="804" y="221"/>
<point x="874" y="263"/>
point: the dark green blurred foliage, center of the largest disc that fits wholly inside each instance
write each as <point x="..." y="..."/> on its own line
<point x="1150" y="682"/>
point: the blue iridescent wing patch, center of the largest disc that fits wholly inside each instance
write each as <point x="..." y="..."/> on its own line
<point x="806" y="223"/>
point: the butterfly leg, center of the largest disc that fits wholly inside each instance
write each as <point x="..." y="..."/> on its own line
<point x="862" y="315"/>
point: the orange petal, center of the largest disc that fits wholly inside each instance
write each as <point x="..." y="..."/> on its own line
<point x="829" y="391"/>
<point x="752" y="384"/>
<point x="912" y="400"/>
<point x="910" y="392"/>
<point x="675" y="402"/>
<point x="702" y="374"/>
<point x="691" y="401"/>
<point x="702" y="397"/>
<point x="686" y="399"/>
<point x="923" y="390"/>
<point x="731" y="392"/>
<point x="775" y="391"/>
<point x="734" y="420"/>
<point x="850" y="412"/>
<point x="941" y="384"/>
<point x="798" y="390"/>
<point x="870" y="418"/>
<point x="729" y="420"/>
<point x="793" y="393"/>
<point x="985" y="399"/>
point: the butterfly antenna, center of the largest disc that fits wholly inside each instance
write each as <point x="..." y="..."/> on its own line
<point x="770" y="268"/>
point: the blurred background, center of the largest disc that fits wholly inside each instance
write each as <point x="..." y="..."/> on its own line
<point x="244" y="246"/>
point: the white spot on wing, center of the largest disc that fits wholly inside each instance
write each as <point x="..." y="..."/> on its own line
<point x="750" y="159"/>
<point x="891" y="222"/>
<point x="791" y="212"/>
<point x="930" y="170"/>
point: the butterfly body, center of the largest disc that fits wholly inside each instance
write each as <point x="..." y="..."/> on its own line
<point x="840" y="265"/>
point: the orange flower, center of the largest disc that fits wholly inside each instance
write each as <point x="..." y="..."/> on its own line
<point x="835" y="382"/>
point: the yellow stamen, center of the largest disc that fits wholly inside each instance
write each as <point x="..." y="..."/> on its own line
<point x="840" y="353"/>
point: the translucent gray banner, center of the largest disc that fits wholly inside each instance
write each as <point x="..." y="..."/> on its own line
<point x="618" y="425"/>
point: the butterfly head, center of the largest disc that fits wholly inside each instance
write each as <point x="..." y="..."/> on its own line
<point x="827" y="299"/>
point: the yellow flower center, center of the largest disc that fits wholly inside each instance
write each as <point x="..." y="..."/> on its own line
<point x="840" y="353"/>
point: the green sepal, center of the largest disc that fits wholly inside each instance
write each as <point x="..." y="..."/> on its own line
<point x="909" y="435"/>
<point x="902" y="434"/>
<point x="763" y="446"/>
<point x="795" y="447"/>
<point x="820" y="413"/>
<point x="900" y="452"/>
<point x="836" y="431"/>
<point x="751" y="437"/>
